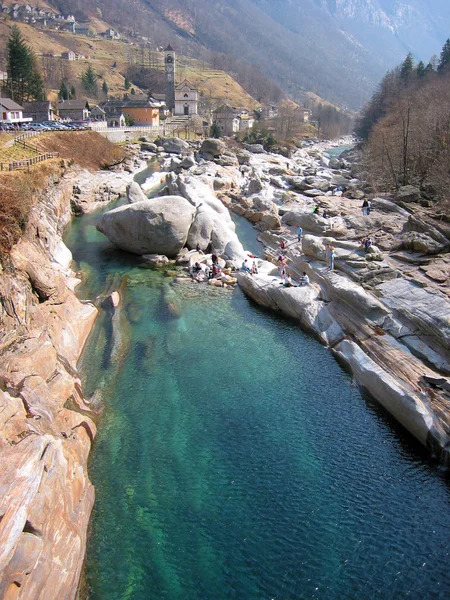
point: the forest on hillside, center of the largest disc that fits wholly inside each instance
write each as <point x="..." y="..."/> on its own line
<point x="406" y="129"/>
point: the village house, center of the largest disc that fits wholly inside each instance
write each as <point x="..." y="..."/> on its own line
<point x="98" y="114"/>
<point x="68" y="55"/>
<point x="11" y="112"/>
<point x="39" y="111"/>
<point x="186" y="99"/>
<point x="226" y="119"/>
<point x="141" y="110"/>
<point x="110" y="34"/>
<point x="114" y="116"/>
<point x="76" y="110"/>
<point x="161" y="98"/>
<point x="81" y="29"/>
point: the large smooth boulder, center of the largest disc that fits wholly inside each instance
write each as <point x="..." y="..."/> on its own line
<point x="213" y="147"/>
<point x="174" y="145"/>
<point x="135" y="193"/>
<point x="201" y="229"/>
<point x="153" y="226"/>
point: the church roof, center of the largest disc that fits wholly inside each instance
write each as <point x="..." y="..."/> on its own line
<point x="169" y="49"/>
<point x="185" y="83"/>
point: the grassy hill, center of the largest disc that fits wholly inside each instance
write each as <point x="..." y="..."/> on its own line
<point x="110" y="60"/>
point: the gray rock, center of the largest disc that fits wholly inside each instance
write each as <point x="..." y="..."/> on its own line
<point x="135" y="193"/>
<point x="213" y="147"/>
<point x="157" y="260"/>
<point x="408" y="193"/>
<point x="155" y="226"/>
<point x="425" y="311"/>
<point x="174" y="145"/>
<point x="335" y="163"/>
<point x="421" y="242"/>
<point x="388" y="206"/>
<point x="227" y="160"/>
<point x="254" y="186"/>
<point x="255" y="148"/>
<point x="149" y="147"/>
<point x="243" y="157"/>
<point x="201" y="229"/>
<point x="188" y="162"/>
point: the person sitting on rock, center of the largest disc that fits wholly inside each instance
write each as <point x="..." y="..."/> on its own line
<point x="288" y="281"/>
<point x="283" y="246"/>
<point x="245" y="267"/>
<point x="304" y="279"/>
<point x="215" y="271"/>
<point x="254" y="268"/>
<point x="214" y="259"/>
<point x="367" y="243"/>
<point x="197" y="268"/>
<point x="316" y="209"/>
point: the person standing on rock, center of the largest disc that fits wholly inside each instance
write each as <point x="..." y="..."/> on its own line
<point x="369" y="207"/>
<point x="332" y="255"/>
<point x="283" y="246"/>
<point x="299" y="234"/>
<point x="364" y="207"/>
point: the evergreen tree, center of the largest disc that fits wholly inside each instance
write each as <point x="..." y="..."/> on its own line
<point x="421" y="69"/>
<point x="24" y="80"/>
<point x="126" y="84"/>
<point x="105" y="88"/>
<point x="132" y="92"/>
<point x="89" y="79"/>
<point x="73" y="92"/>
<point x="429" y="68"/>
<point x="407" y="67"/>
<point x="63" y="92"/>
<point x="214" y="131"/>
<point x="445" y="56"/>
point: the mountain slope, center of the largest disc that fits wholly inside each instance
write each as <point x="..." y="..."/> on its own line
<point x="338" y="49"/>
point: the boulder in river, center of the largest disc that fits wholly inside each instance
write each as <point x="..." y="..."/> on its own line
<point x="135" y="193"/>
<point x="153" y="226"/>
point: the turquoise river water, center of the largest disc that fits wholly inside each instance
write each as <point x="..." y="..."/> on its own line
<point x="235" y="459"/>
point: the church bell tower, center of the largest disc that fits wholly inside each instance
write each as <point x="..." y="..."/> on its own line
<point x="169" y="62"/>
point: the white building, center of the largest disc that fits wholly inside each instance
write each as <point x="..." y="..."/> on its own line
<point x="11" y="112"/>
<point x="186" y="99"/>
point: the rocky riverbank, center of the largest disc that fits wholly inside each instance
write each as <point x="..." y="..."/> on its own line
<point x="46" y="425"/>
<point x="384" y="313"/>
<point x="384" y="309"/>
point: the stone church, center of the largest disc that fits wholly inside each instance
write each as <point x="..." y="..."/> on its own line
<point x="181" y="99"/>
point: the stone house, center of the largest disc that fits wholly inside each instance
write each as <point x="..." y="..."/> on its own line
<point x="186" y="99"/>
<point x="68" y="55"/>
<point x="39" y="111"/>
<point x="98" y="114"/>
<point x="226" y="119"/>
<point x="76" y="110"/>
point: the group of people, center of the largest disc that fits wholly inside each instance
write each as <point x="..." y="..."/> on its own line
<point x="201" y="271"/>
<point x="253" y="270"/>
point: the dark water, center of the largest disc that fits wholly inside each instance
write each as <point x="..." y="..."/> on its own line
<point x="236" y="460"/>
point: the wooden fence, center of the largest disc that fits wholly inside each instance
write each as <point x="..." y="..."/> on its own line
<point x="26" y="163"/>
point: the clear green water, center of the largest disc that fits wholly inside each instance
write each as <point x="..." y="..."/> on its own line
<point x="236" y="460"/>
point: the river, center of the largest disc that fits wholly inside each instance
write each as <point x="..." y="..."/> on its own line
<point x="235" y="459"/>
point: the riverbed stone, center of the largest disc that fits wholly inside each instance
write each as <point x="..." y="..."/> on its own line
<point x="154" y="226"/>
<point x="135" y="193"/>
